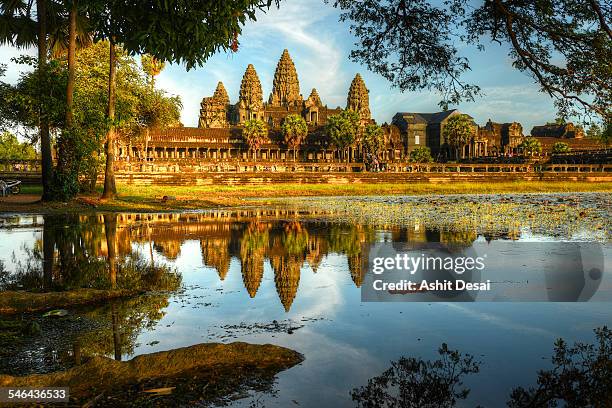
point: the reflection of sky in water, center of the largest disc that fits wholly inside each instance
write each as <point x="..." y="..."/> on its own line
<point x="356" y="341"/>
<point x="345" y="341"/>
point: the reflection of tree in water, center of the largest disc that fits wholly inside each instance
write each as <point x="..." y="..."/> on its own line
<point x="459" y="238"/>
<point x="581" y="376"/>
<point x="80" y="252"/>
<point x="412" y="382"/>
<point x="119" y="324"/>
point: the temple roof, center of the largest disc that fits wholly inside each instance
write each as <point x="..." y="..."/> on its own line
<point x="286" y="86"/>
<point x="426" y="118"/>
<point x="251" y="95"/>
<point x="221" y="94"/>
<point x="358" y="98"/>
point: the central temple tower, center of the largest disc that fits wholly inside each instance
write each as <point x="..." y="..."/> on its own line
<point x="286" y="87"/>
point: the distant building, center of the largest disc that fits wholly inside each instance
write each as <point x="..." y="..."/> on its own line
<point x="425" y="129"/>
<point x="559" y="131"/>
<point x="504" y="138"/>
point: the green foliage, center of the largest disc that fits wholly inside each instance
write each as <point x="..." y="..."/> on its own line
<point x="294" y="129"/>
<point x="606" y="135"/>
<point x="34" y="91"/>
<point x="152" y="67"/>
<point x="138" y="107"/>
<point x="11" y="148"/>
<point x="343" y="129"/>
<point x="531" y="146"/>
<point x="594" y="132"/>
<point x="564" y="45"/>
<point x="560" y="147"/>
<point x="174" y="30"/>
<point x="458" y="131"/>
<point x="421" y="154"/>
<point x="255" y="133"/>
<point x="373" y="140"/>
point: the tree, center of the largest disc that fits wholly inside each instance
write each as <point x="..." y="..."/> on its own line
<point x="594" y="132"/>
<point x="421" y="154"/>
<point x="160" y="30"/>
<point x="531" y="146"/>
<point x="457" y="132"/>
<point x="343" y="129"/>
<point x="560" y="147"/>
<point x="12" y="149"/>
<point x="255" y="132"/>
<point x="294" y="130"/>
<point x="18" y="28"/>
<point x="152" y="67"/>
<point x="373" y="141"/>
<point x="563" y="45"/>
<point x="606" y="134"/>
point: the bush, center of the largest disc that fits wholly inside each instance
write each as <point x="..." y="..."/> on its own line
<point x="421" y="155"/>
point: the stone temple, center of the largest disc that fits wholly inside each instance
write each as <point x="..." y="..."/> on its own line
<point x="218" y="143"/>
<point x="285" y="99"/>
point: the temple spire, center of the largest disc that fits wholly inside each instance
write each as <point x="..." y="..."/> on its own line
<point x="286" y="86"/>
<point x="358" y="99"/>
<point x="250" y="101"/>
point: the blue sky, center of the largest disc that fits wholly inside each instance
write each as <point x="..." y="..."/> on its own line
<point x="319" y="46"/>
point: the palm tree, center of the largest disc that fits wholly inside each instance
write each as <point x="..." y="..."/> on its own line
<point x="255" y="133"/>
<point x="65" y="37"/>
<point x="294" y="130"/>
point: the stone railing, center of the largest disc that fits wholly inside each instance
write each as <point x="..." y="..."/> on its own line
<point x="225" y="166"/>
<point x="20" y="166"/>
<point x="28" y="168"/>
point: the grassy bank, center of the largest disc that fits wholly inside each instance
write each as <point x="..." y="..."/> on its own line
<point x="149" y="198"/>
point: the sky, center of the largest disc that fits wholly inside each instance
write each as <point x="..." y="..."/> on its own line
<point x="320" y="45"/>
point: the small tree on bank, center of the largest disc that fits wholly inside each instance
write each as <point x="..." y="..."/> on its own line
<point x="560" y="147"/>
<point x="294" y="130"/>
<point x="531" y="146"/>
<point x="343" y="129"/>
<point x="255" y="133"/>
<point x="373" y="142"/>
<point x="421" y="154"/>
<point x="458" y="132"/>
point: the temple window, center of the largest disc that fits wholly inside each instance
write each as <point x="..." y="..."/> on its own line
<point x="417" y="140"/>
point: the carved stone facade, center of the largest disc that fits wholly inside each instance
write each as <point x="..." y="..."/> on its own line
<point x="358" y="99"/>
<point x="285" y="99"/>
<point x="286" y="86"/>
<point x="214" y="112"/>
<point x="250" y="99"/>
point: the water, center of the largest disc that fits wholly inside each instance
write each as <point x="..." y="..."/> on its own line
<point x="286" y="277"/>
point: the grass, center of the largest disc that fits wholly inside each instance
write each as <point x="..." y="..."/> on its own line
<point x="149" y="198"/>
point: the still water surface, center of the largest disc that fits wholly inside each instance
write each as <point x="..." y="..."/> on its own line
<point x="285" y="277"/>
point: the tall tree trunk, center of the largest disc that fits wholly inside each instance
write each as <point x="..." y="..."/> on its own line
<point x="110" y="189"/>
<point x="48" y="252"/>
<point x="71" y="65"/>
<point x="116" y="333"/>
<point x="45" y="138"/>
<point x="66" y="145"/>
<point x="110" y="229"/>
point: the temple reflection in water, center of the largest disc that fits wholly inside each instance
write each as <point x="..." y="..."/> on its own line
<point x="286" y="240"/>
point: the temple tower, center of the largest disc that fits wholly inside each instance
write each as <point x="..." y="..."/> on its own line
<point x="214" y="109"/>
<point x="250" y="100"/>
<point x="286" y="87"/>
<point x="312" y="106"/>
<point x="358" y="99"/>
